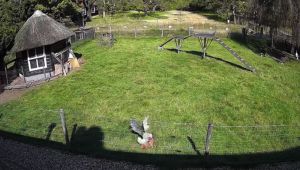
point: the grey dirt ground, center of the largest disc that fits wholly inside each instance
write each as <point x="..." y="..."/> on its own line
<point x="15" y="155"/>
<point x="19" y="156"/>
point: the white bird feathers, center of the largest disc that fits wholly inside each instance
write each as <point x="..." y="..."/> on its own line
<point x="145" y="124"/>
<point x="145" y="138"/>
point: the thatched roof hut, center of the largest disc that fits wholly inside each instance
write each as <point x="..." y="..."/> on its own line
<point x="42" y="48"/>
<point x="40" y="30"/>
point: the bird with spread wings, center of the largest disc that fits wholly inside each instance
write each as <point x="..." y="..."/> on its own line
<point x="145" y="138"/>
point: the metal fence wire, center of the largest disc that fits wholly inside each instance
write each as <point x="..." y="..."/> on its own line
<point x="170" y="137"/>
<point x="152" y="30"/>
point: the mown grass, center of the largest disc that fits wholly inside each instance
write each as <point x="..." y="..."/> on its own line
<point x="181" y="94"/>
<point x="170" y="21"/>
<point x="132" y="17"/>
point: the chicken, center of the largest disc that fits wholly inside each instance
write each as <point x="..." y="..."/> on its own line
<point x="145" y="138"/>
<point x="145" y="124"/>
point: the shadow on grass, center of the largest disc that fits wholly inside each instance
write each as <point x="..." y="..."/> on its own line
<point x="141" y="15"/>
<point x="200" y="54"/>
<point x="210" y="15"/>
<point x="88" y="141"/>
<point x="214" y="17"/>
<point x="50" y="130"/>
<point x="255" y="45"/>
<point x="193" y="145"/>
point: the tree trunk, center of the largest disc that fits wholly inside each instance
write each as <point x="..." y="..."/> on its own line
<point x="146" y="11"/>
<point x="261" y="31"/>
<point x="295" y="36"/>
<point x="103" y="13"/>
<point x="89" y="14"/>
<point x="3" y="50"/>
<point x="146" y="8"/>
<point x="272" y="36"/>
<point x="234" y="12"/>
<point x="2" y="65"/>
<point x="87" y="9"/>
<point x="154" y="8"/>
<point x="104" y="9"/>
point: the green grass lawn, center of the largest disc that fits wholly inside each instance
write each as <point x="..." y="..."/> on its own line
<point x="131" y="18"/>
<point x="181" y="94"/>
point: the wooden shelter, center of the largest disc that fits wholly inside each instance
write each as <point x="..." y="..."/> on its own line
<point x="42" y="48"/>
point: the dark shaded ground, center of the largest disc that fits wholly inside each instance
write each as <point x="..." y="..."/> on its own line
<point x="17" y="155"/>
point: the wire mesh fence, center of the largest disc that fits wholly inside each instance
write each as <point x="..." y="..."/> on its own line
<point x="152" y="30"/>
<point x="190" y="138"/>
<point x="161" y="30"/>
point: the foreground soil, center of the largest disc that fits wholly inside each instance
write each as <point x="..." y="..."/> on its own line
<point x="16" y="155"/>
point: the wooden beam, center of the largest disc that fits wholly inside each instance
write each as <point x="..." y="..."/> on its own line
<point x="6" y="76"/>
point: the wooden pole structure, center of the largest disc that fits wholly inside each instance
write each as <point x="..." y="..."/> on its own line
<point x="64" y="125"/>
<point x="62" y="65"/>
<point x="44" y="71"/>
<point x="190" y="30"/>
<point x="208" y="137"/>
<point x="6" y="76"/>
<point x="204" y="47"/>
<point x="22" y="69"/>
<point x="94" y="33"/>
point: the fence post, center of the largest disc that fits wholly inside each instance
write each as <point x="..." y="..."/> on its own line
<point x="22" y="69"/>
<point x="208" y="137"/>
<point x="44" y="71"/>
<point x="135" y="32"/>
<point x="162" y="32"/>
<point x="6" y="76"/>
<point x="64" y="126"/>
<point x="94" y="33"/>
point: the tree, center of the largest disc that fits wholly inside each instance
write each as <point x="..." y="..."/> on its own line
<point x="294" y="22"/>
<point x="12" y="16"/>
<point x="276" y="14"/>
<point x="108" y="6"/>
<point x="88" y="4"/>
<point x="58" y="8"/>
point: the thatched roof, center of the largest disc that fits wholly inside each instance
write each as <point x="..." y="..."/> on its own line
<point x="40" y="30"/>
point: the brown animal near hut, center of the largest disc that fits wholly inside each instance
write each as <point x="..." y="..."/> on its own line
<point x="42" y="47"/>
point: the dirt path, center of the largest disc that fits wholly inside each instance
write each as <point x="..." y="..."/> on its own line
<point x="185" y="17"/>
<point x="10" y="95"/>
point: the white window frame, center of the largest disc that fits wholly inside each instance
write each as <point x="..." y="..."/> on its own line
<point x="36" y="57"/>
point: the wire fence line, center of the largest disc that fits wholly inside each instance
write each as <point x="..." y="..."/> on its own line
<point x="170" y="137"/>
<point x="153" y="30"/>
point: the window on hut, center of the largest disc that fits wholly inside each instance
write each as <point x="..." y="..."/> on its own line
<point x="36" y="59"/>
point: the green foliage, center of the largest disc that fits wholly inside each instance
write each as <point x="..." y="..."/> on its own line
<point x="277" y="14"/>
<point x="12" y="16"/>
<point x="58" y="9"/>
<point x="68" y="8"/>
